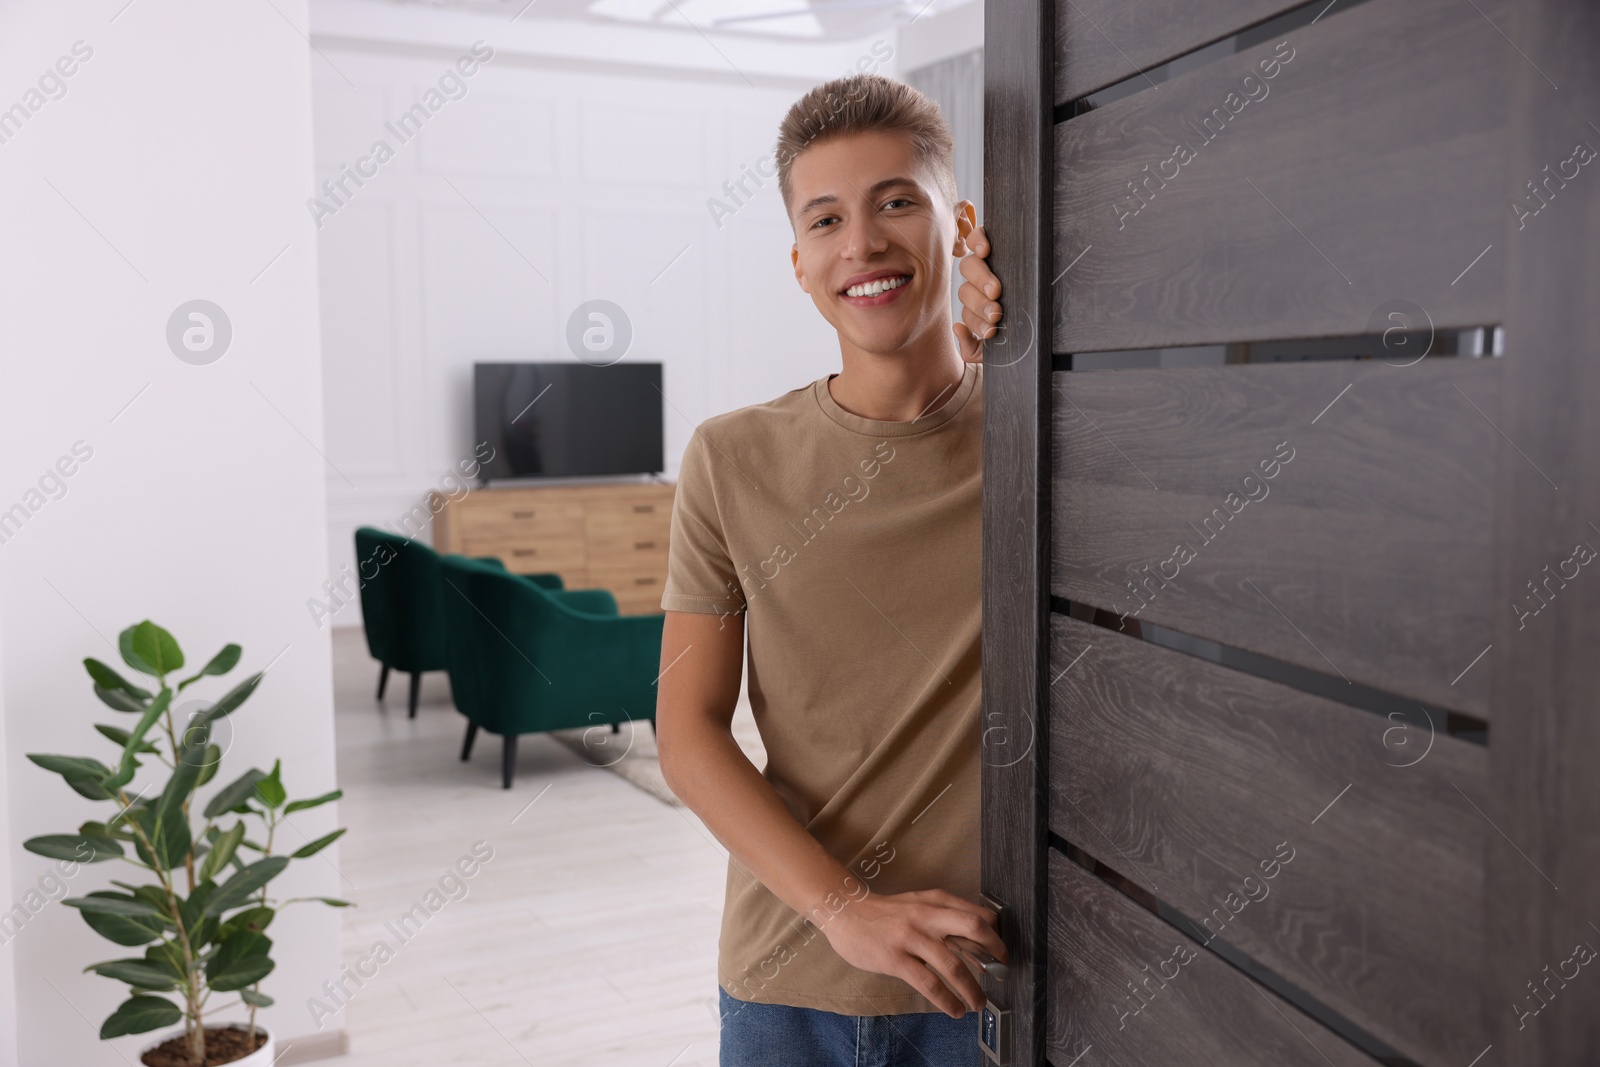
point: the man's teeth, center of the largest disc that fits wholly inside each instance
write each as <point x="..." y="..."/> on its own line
<point x="876" y="287"/>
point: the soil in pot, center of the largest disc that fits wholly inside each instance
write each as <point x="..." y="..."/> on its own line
<point x="224" y="1044"/>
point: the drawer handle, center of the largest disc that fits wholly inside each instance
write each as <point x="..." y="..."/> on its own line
<point x="643" y="509"/>
<point x="524" y="551"/>
<point x="642" y="545"/>
<point x="644" y="581"/>
<point x="522" y="514"/>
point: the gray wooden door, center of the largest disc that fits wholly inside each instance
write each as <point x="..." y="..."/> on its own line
<point x="1300" y="390"/>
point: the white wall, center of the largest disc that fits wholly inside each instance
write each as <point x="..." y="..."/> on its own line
<point x="175" y="167"/>
<point x="8" y="967"/>
<point x="929" y="39"/>
<point x="555" y="180"/>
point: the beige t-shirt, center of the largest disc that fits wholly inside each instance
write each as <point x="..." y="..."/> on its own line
<point x="854" y="547"/>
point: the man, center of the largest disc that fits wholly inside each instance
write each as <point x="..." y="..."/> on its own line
<point x="841" y="523"/>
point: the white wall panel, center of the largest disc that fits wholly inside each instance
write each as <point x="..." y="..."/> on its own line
<point x="361" y="358"/>
<point x="603" y="182"/>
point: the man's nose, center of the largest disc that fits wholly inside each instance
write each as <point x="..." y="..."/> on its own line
<point x="865" y="237"/>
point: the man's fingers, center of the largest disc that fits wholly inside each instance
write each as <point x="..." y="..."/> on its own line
<point x="979" y="241"/>
<point x="953" y="971"/>
<point x="974" y="301"/>
<point x="945" y="899"/>
<point x="926" y="982"/>
<point x="976" y="271"/>
<point x="979" y="328"/>
<point x="974" y="949"/>
<point x="978" y="928"/>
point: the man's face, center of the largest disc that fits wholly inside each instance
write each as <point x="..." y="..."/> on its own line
<point x="873" y="240"/>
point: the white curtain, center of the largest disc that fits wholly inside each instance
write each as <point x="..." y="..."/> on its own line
<point x="956" y="84"/>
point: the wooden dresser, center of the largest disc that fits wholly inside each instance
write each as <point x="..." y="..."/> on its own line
<point x="595" y="536"/>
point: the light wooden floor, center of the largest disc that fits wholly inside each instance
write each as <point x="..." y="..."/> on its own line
<point x="590" y="937"/>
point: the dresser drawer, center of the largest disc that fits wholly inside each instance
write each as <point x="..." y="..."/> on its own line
<point x="633" y="509"/>
<point x="631" y="579"/>
<point x="531" y="557"/>
<point x="625" y="548"/>
<point x="522" y="521"/>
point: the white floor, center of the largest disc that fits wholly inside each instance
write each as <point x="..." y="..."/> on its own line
<point x="590" y="936"/>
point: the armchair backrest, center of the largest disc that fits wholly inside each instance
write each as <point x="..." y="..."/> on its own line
<point x="400" y="601"/>
<point x="522" y="660"/>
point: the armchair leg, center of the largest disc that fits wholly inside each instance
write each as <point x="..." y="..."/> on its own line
<point x="508" y="759"/>
<point x="616" y="728"/>
<point x="652" y="728"/>
<point x="416" y="687"/>
<point x="383" y="681"/>
<point x="466" y="746"/>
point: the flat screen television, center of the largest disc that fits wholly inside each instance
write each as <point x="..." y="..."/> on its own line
<point x="568" y="420"/>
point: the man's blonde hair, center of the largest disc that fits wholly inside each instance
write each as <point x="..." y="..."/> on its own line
<point x="868" y="103"/>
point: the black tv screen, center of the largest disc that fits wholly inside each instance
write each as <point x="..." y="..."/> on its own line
<point x="568" y="420"/>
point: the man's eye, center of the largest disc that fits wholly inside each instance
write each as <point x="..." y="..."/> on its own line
<point x="822" y="221"/>
<point x="899" y="200"/>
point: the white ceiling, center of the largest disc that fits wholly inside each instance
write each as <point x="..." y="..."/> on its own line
<point x="817" y="20"/>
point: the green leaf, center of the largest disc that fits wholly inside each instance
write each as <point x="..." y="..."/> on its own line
<point x="316" y="846"/>
<point x="236" y="890"/>
<point x="123" y="821"/>
<point x="83" y="774"/>
<point x="127" y="930"/>
<point x="221" y="663"/>
<point x="258" y="1000"/>
<point x="149" y="649"/>
<point x="168" y="957"/>
<point x="235" y="795"/>
<point x="140" y="1015"/>
<point x="270" y="789"/>
<point x="199" y="728"/>
<point x="120" y="737"/>
<point x="167" y="830"/>
<point x="106" y="678"/>
<point x="221" y="852"/>
<point x="100" y="829"/>
<point x="332" y="902"/>
<point x="302" y="805"/>
<point x="183" y="782"/>
<point x="241" y="961"/>
<point x="129" y="907"/>
<point x="84" y="848"/>
<point x="254" y="920"/>
<point x="117" y="700"/>
<point x="212" y="764"/>
<point x="193" y="910"/>
<point x="125" y="769"/>
<point x="141" y="974"/>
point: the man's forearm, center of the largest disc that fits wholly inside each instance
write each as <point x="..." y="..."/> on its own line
<point x="714" y="777"/>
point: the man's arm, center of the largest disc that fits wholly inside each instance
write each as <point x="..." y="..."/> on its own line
<point x="899" y="934"/>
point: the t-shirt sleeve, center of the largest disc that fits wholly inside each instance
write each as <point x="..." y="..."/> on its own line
<point x="700" y="572"/>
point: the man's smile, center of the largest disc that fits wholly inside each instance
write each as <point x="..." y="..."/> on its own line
<point x="874" y="289"/>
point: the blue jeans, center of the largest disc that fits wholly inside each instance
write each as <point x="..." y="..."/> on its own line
<point x="777" y="1035"/>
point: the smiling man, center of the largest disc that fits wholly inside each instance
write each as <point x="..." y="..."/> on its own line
<point x="838" y="528"/>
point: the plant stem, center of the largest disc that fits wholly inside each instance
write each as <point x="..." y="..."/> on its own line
<point x="196" y="1030"/>
<point x="172" y="739"/>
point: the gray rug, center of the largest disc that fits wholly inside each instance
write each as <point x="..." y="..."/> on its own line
<point x="632" y="756"/>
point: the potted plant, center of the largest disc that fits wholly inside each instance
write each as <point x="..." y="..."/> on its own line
<point x="203" y="921"/>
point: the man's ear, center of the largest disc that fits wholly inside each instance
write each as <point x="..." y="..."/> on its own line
<point x="966" y="222"/>
<point x="799" y="275"/>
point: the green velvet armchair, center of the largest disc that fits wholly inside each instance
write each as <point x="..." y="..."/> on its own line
<point x="527" y="659"/>
<point x="400" y="605"/>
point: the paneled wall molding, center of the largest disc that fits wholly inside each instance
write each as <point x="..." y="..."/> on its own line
<point x="528" y="192"/>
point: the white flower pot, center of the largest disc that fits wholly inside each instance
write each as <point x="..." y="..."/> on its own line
<point x="261" y="1057"/>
